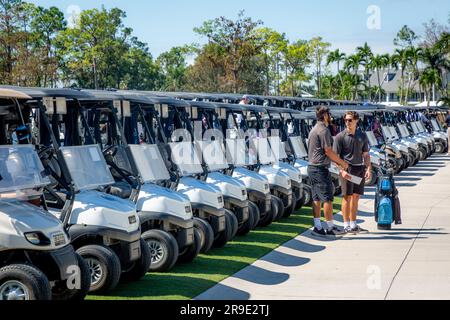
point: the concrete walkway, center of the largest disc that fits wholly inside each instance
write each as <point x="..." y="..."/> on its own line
<point x="410" y="262"/>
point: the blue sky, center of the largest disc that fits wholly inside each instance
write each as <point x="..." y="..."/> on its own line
<point x="343" y="23"/>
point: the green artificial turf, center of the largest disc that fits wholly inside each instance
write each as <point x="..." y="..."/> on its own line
<point x="189" y="280"/>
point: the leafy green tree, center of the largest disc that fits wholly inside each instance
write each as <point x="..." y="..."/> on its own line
<point x="406" y="37"/>
<point x="319" y="51"/>
<point x="239" y="43"/>
<point x="297" y="58"/>
<point x="173" y="65"/>
<point x="272" y="45"/>
<point x="45" y="26"/>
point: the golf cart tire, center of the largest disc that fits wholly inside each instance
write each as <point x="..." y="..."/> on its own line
<point x="169" y="245"/>
<point x="110" y="264"/>
<point x="440" y="148"/>
<point x="279" y="203"/>
<point x="253" y="219"/>
<point x="289" y="211"/>
<point x="423" y="153"/>
<point x="256" y="213"/>
<point x="192" y="251"/>
<point x="234" y="223"/>
<point x="300" y="201"/>
<point x="206" y="232"/>
<point x="271" y="215"/>
<point x="61" y="292"/>
<point x="30" y="277"/>
<point x="222" y="238"/>
<point x="141" y="266"/>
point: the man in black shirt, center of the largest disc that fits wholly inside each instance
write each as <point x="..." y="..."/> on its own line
<point x="352" y="145"/>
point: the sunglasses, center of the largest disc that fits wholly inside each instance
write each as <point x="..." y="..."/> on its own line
<point x="348" y="120"/>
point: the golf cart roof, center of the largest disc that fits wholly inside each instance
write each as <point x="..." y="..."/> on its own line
<point x="38" y="93"/>
<point x="151" y="98"/>
<point x="13" y="94"/>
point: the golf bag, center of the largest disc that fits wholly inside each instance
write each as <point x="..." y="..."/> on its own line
<point x="387" y="202"/>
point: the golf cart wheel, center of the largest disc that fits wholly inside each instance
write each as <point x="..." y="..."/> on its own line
<point x="104" y="267"/>
<point x="141" y="266"/>
<point x="267" y="219"/>
<point x="222" y="238"/>
<point x="206" y="233"/>
<point x="256" y="213"/>
<point x="253" y="219"/>
<point x="440" y="147"/>
<point x="23" y="282"/>
<point x="301" y="200"/>
<point x="411" y="160"/>
<point x="279" y="203"/>
<point x="81" y="285"/>
<point x="192" y="251"/>
<point x="163" y="250"/>
<point x="423" y="153"/>
<point x="234" y="223"/>
<point x="307" y="195"/>
<point x="291" y="209"/>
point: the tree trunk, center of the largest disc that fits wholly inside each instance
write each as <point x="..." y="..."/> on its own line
<point x="379" y="86"/>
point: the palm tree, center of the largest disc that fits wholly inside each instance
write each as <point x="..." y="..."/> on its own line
<point x="401" y="58"/>
<point x="378" y="63"/>
<point x="336" y="57"/>
<point x="429" y="78"/>
<point x="352" y="63"/>
<point x="414" y="55"/>
<point x="366" y="54"/>
<point x="436" y="59"/>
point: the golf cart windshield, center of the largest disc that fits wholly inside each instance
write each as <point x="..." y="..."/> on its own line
<point x="186" y="157"/>
<point x="87" y="167"/>
<point x="435" y="124"/>
<point x="20" y="169"/>
<point x="387" y="133"/>
<point x="404" y="130"/>
<point x="394" y="133"/>
<point x="278" y="147"/>
<point x="372" y="139"/>
<point x="299" y="147"/>
<point x="149" y="162"/>
<point x="213" y="155"/>
<point x="421" y="126"/>
<point x="265" y="153"/>
<point x="415" y="128"/>
<point x="238" y="153"/>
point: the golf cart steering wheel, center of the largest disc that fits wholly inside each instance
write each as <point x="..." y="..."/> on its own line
<point x="111" y="150"/>
<point x="46" y="153"/>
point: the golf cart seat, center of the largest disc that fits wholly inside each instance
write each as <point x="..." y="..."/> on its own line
<point x="120" y="189"/>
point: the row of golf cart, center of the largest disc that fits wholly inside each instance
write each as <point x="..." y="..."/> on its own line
<point x="98" y="187"/>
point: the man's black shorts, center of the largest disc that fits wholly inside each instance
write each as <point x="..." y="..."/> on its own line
<point x="349" y="188"/>
<point x="322" y="185"/>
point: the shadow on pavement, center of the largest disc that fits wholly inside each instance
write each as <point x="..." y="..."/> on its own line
<point x="261" y="276"/>
<point x="303" y="246"/>
<point x="223" y="292"/>
<point x="285" y="260"/>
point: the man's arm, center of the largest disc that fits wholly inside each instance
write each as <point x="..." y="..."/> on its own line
<point x="335" y="158"/>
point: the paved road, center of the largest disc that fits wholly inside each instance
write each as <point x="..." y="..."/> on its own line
<point x="410" y="262"/>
